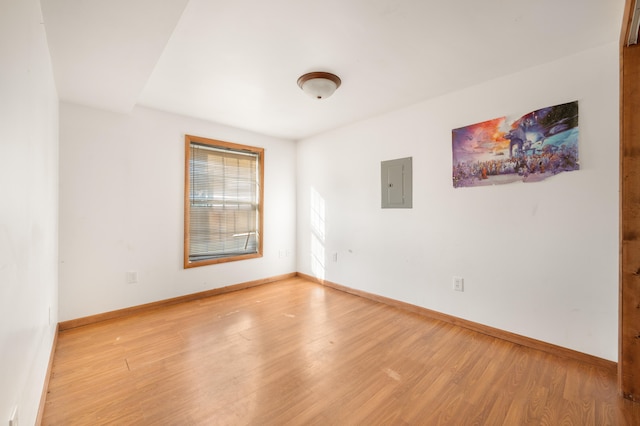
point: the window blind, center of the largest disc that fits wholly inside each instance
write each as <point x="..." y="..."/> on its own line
<point x="223" y="202"/>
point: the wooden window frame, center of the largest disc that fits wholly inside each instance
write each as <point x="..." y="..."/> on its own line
<point x="233" y="147"/>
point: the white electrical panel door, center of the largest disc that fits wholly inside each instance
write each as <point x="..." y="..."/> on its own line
<point x="396" y="183"/>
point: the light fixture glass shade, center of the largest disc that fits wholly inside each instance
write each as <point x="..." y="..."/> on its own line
<point x="319" y="85"/>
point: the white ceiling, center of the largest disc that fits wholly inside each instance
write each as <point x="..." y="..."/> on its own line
<point x="237" y="62"/>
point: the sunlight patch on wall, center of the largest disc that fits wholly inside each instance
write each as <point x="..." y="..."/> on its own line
<point x="317" y="219"/>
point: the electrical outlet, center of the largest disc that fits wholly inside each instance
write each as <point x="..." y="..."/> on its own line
<point x="458" y="283"/>
<point x="132" y="277"/>
<point x="335" y="256"/>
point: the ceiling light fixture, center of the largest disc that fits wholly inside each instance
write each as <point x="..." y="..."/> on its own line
<point x="319" y="85"/>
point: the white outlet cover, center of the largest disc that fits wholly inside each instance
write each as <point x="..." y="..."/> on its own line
<point x="458" y="283"/>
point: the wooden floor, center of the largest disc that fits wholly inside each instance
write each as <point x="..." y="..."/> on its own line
<point x="295" y="352"/>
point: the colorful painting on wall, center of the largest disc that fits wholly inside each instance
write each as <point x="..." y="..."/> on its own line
<point x="534" y="147"/>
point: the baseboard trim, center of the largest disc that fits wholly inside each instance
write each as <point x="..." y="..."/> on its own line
<point x="610" y="366"/>
<point x="45" y="386"/>
<point x="79" y="322"/>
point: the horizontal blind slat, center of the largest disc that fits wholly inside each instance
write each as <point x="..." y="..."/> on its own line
<point x="223" y="198"/>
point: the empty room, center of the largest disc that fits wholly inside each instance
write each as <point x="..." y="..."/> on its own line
<point x="341" y="212"/>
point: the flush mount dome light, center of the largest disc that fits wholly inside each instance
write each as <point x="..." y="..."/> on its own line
<point x="319" y="85"/>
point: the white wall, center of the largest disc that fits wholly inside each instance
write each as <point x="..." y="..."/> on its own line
<point x="29" y="209"/>
<point x="121" y="209"/>
<point x="538" y="259"/>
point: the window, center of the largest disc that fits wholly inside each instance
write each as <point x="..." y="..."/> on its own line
<point x="223" y="201"/>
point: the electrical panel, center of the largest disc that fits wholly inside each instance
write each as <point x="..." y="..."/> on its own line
<point x="397" y="186"/>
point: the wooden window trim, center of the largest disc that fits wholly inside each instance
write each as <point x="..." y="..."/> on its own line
<point x="187" y="184"/>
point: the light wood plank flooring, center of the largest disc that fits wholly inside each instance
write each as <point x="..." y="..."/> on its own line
<point x="295" y="352"/>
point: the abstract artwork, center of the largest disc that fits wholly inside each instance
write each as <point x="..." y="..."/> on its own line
<point x="534" y="147"/>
